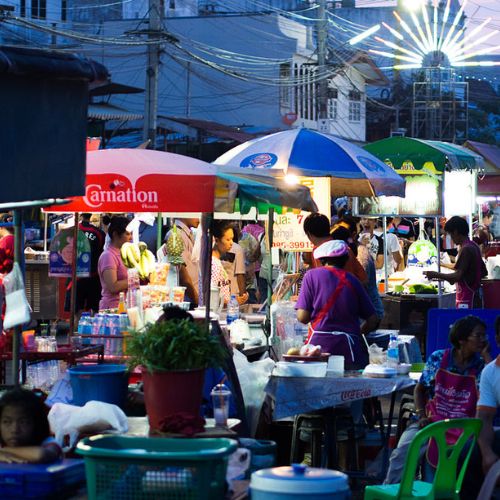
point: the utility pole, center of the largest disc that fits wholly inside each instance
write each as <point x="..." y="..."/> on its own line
<point x="322" y="96"/>
<point x="156" y="9"/>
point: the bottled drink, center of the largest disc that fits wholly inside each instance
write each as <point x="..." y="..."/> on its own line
<point x="393" y="351"/>
<point x="121" y="304"/>
<point x="233" y="310"/>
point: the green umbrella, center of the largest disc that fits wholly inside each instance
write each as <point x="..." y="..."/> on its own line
<point x="406" y="154"/>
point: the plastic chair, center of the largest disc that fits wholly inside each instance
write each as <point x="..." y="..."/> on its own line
<point x="447" y="480"/>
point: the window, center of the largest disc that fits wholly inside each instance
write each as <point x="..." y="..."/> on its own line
<point x="39" y="9"/>
<point x="354" y="111"/>
<point x="354" y="95"/>
<point x="332" y="109"/>
<point x="64" y="10"/>
<point x="22" y="8"/>
<point x="285" y="84"/>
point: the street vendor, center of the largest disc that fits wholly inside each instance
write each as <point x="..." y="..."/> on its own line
<point x="469" y="268"/>
<point x="112" y="272"/>
<point x="333" y="301"/>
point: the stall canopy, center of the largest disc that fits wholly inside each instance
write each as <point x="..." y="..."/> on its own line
<point x="489" y="184"/>
<point x="405" y="153"/>
<point x="142" y="180"/>
<point x="302" y="152"/>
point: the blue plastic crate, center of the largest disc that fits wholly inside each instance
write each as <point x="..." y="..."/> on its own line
<point x="41" y="480"/>
<point x="440" y="320"/>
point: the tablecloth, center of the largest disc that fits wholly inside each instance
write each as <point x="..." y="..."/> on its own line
<point x="295" y="395"/>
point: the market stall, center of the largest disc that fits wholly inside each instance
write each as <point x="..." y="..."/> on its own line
<point x="441" y="180"/>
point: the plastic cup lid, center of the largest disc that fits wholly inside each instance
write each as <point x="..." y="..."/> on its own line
<point x="299" y="479"/>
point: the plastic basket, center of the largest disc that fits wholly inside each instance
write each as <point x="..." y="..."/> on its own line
<point x="134" y="468"/>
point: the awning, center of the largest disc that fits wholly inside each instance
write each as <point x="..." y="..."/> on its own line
<point x="406" y="153"/>
<point x="192" y="126"/>
<point x="103" y="111"/>
<point x="114" y="88"/>
<point x="489" y="152"/>
<point x="489" y="185"/>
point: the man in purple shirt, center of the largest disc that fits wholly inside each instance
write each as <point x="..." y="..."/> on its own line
<point x="334" y="301"/>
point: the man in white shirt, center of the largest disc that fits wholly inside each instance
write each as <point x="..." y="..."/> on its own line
<point x="489" y="438"/>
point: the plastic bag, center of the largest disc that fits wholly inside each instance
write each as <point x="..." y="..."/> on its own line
<point x="253" y="378"/>
<point x="93" y="418"/>
<point x="422" y="253"/>
<point x="17" y="308"/>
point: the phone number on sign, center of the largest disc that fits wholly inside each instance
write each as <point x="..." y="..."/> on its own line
<point x="294" y="245"/>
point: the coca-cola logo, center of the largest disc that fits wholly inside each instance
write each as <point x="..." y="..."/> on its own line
<point x="96" y="196"/>
<point x="355" y="394"/>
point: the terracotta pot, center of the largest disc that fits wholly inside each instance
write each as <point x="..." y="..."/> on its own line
<point x="170" y="392"/>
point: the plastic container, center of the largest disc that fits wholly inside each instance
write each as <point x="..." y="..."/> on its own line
<point x="233" y="310"/>
<point x="41" y="480"/>
<point x="134" y="468"/>
<point x="220" y="400"/>
<point x="291" y="369"/>
<point x="298" y="482"/>
<point x="107" y="383"/>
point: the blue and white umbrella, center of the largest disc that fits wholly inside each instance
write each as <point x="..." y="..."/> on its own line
<point x="303" y="152"/>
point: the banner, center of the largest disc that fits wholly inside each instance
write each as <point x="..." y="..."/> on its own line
<point x="288" y="233"/>
<point x="61" y="255"/>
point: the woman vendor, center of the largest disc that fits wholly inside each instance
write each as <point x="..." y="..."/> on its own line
<point x="112" y="272"/>
<point x="333" y="301"/>
<point x="447" y="387"/>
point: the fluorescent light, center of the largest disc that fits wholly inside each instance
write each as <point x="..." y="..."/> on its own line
<point x="365" y="34"/>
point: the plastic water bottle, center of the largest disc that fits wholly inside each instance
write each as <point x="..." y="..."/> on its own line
<point x="233" y="310"/>
<point x="393" y="351"/>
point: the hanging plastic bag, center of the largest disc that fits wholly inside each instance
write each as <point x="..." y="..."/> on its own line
<point x="93" y="418"/>
<point x="422" y="253"/>
<point x="17" y="308"/>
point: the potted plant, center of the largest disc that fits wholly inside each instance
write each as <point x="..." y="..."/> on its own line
<point x="173" y="356"/>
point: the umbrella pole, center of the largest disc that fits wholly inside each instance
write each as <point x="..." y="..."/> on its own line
<point x="73" y="277"/>
<point x="206" y="261"/>
<point x="45" y="225"/>
<point x="19" y="258"/>
<point x="386" y="255"/>
<point x="438" y="248"/>
<point x="159" y="222"/>
<point x="270" y="276"/>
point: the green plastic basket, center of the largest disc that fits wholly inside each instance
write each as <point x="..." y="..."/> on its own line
<point x="135" y="468"/>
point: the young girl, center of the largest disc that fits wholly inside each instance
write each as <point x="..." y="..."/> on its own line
<point x="24" y="429"/>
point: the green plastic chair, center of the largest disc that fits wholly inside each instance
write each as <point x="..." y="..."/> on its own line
<point x="447" y="480"/>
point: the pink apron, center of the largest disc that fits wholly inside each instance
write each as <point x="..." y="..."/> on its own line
<point x="455" y="396"/>
<point x="465" y="293"/>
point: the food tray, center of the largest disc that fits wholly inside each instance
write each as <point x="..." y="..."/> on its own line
<point x="297" y="357"/>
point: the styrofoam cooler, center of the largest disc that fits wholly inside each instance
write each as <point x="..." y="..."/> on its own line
<point x="299" y="481"/>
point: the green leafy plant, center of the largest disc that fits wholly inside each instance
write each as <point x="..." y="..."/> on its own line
<point x="174" y="345"/>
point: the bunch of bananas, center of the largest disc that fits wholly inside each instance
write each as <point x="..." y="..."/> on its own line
<point x="138" y="257"/>
<point x="175" y="247"/>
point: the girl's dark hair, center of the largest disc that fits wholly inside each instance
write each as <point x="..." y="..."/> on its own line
<point x="462" y="328"/>
<point x="220" y="227"/>
<point x="34" y="407"/>
<point x="174" y="312"/>
<point x="118" y="225"/>
<point x="106" y="219"/>
<point x="339" y="262"/>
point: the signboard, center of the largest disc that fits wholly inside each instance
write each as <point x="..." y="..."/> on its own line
<point x="288" y="233"/>
<point x="61" y="255"/>
<point x="423" y="196"/>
